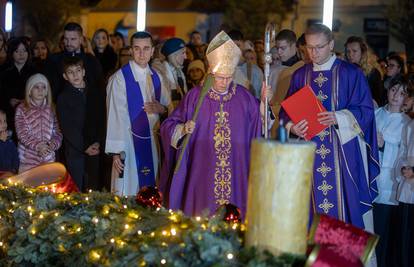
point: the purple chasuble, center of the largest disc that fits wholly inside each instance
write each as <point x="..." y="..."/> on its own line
<point x="215" y="167"/>
<point x="341" y="188"/>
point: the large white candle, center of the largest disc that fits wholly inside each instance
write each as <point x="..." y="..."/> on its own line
<point x="279" y="195"/>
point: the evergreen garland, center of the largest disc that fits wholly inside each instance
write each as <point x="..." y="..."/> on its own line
<point x="40" y="228"/>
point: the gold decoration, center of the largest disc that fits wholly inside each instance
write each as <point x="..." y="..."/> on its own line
<point x="323" y="151"/>
<point x="216" y="97"/>
<point x="145" y="170"/>
<point x="277" y="220"/>
<point x="320" y="80"/>
<point x="325" y="187"/>
<point x="326" y="205"/>
<point x="323" y="134"/>
<point x="222" y="147"/>
<point x="223" y="54"/>
<point x="321" y="96"/>
<point x="324" y="169"/>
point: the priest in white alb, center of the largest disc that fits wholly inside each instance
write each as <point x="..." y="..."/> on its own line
<point x="136" y="97"/>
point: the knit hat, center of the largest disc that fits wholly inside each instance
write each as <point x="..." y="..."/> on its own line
<point x="172" y="45"/>
<point x="35" y="79"/>
<point x="196" y="64"/>
<point x="32" y="81"/>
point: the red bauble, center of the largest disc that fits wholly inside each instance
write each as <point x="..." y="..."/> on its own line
<point x="230" y="213"/>
<point x="150" y="197"/>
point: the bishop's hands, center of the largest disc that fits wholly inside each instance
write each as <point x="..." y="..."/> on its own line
<point x="188" y="128"/>
<point x="266" y="92"/>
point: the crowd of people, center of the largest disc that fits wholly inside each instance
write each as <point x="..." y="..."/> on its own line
<point x="121" y="117"/>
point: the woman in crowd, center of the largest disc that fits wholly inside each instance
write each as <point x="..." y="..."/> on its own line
<point x="104" y="52"/>
<point x="40" y="52"/>
<point x="36" y="125"/>
<point x="13" y="79"/>
<point x="357" y="52"/>
<point x="195" y="73"/>
<point x="394" y="70"/>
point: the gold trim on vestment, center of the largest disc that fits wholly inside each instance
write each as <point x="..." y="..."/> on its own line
<point x="222" y="147"/>
<point x="216" y="97"/>
<point x="326" y="205"/>
<point x="320" y="80"/>
<point x="323" y="151"/>
<point x="324" y="169"/>
<point x="325" y="187"/>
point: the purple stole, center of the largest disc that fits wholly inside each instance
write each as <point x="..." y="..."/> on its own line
<point x="141" y="132"/>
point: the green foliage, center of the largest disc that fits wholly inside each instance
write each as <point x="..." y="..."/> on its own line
<point x="38" y="228"/>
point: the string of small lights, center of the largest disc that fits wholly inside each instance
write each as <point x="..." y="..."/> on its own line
<point x="43" y="228"/>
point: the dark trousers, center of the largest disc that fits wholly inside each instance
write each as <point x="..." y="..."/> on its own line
<point x="84" y="170"/>
<point x="385" y="225"/>
<point x="407" y="234"/>
<point x="92" y="178"/>
<point x="75" y="163"/>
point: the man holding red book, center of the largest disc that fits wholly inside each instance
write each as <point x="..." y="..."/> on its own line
<point x="346" y="162"/>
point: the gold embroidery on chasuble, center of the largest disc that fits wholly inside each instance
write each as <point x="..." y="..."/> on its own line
<point x="321" y="96"/>
<point x="222" y="148"/>
<point x="323" y="134"/>
<point x="320" y="80"/>
<point x="325" y="187"/>
<point x="323" y="151"/>
<point x="326" y="205"/>
<point x="324" y="169"/>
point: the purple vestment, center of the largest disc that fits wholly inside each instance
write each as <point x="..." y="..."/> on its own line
<point x="215" y="167"/>
<point x="341" y="188"/>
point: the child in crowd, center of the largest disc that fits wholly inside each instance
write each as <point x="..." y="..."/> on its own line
<point x="390" y="122"/>
<point x="404" y="172"/>
<point x="9" y="159"/>
<point x="81" y="112"/>
<point x="409" y="104"/>
<point x="195" y="73"/>
<point x="36" y="125"/>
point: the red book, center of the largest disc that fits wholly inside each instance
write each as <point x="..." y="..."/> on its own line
<point x="304" y="105"/>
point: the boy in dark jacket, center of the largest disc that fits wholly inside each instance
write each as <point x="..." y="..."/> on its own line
<point x="81" y="113"/>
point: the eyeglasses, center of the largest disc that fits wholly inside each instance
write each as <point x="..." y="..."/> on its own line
<point x="222" y="79"/>
<point x="318" y="47"/>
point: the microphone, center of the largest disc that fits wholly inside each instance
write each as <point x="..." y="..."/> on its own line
<point x="122" y="156"/>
